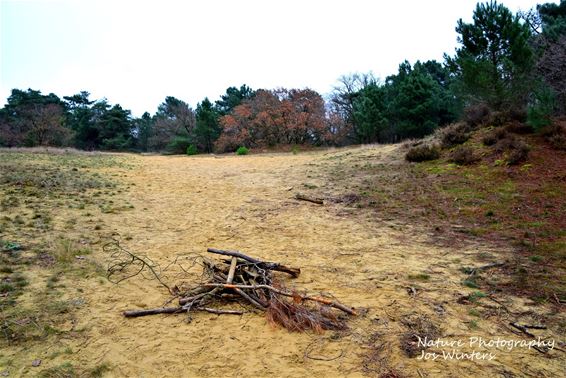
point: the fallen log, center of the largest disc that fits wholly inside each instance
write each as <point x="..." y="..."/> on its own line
<point x="262" y="264"/>
<point x="325" y="301"/>
<point x="302" y="197"/>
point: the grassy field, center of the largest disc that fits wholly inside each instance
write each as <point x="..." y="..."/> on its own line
<point x="430" y="249"/>
<point x="51" y="204"/>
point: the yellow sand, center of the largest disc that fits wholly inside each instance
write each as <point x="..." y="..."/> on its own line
<point x="185" y="204"/>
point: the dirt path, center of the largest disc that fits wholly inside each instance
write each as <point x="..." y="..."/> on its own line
<point x="183" y="205"/>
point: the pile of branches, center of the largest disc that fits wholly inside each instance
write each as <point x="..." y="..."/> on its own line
<point x="242" y="279"/>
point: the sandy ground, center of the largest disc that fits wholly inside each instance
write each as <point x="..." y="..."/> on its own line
<point x="183" y="205"/>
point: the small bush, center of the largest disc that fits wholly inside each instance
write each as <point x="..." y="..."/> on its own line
<point x="518" y="153"/>
<point x="539" y="112"/>
<point x="517" y="149"/>
<point x="519" y="128"/>
<point x="242" y="151"/>
<point x="499" y="118"/>
<point x="494" y="136"/>
<point x="555" y="134"/>
<point x="423" y="152"/>
<point x="463" y="155"/>
<point x="476" y="115"/>
<point x="192" y="150"/>
<point x="558" y="141"/>
<point x="454" y="135"/>
<point x="178" y="145"/>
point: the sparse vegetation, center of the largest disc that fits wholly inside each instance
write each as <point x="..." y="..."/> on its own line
<point x="423" y="152"/>
<point x="464" y="155"/>
<point x="493" y="136"/>
<point x="242" y="151"/>
<point x="38" y="259"/>
<point x="192" y="150"/>
<point x="454" y="135"/>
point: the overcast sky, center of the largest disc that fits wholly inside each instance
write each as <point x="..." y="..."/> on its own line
<point x="135" y="52"/>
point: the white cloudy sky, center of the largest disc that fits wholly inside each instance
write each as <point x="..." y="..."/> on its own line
<point x="137" y="52"/>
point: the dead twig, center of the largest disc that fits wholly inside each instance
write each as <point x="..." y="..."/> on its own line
<point x="302" y="197"/>
<point x="325" y="301"/>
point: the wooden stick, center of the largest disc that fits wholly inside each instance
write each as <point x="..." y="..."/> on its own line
<point x="521" y="328"/>
<point x="174" y="310"/>
<point x="232" y="270"/>
<point x="184" y="301"/>
<point x="325" y="301"/>
<point x="302" y="197"/>
<point x="220" y="312"/>
<point x="254" y="301"/>
<point x="262" y="264"/>
<point x="152" y="311"/>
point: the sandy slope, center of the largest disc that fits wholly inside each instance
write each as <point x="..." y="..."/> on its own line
<point x="183" y="205"/>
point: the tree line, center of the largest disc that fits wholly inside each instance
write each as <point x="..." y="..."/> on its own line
<point x="512" y="63"/>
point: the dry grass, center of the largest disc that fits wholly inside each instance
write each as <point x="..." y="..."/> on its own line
<point x="383" y="241"/>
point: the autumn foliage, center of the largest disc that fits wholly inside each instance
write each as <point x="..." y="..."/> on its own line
<point x="270" y="118"/>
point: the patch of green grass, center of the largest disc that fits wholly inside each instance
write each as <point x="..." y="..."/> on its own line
<point x="242" y="151"/>
<point x="7" y="287"/>
<point x="6" y="269"/>
<point x="99" y="370"/>
<point x="66" y="250"/>
<point x="419" y="277"/>
<point x="470" y="282"/>
<point x="439" y="168"/>
<point x="65" y="370"/>
<point x="474" y="312"/>
<point x="473" y="324"/>
<point x="67" y="351"/>
<point x="19" y="280"/>
<point x="476" y="295"/>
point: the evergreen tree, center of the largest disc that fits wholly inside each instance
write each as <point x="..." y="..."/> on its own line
<point x="553" y="18"/>
<point x="207" y="129"/>
<point x="233" y="98"/>
<point x="115" y="128"/>
<point x="416" y="102"/>
<point x="495" y="59"/>
<point x="369" y="113"/>
<point x="79" y="118"/>
<point x="143" y="128"/>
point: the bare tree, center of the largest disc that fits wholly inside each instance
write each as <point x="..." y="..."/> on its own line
<point x="552" y="67"/>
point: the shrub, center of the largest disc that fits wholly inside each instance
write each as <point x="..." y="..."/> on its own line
<point x="494" y="136"/>
<point x="242" y="151"/>
<point x="423" y="152"/>
<point x="519" y="128"/>
<point x="539" y="112"/>
<point x="463" y="155"/>
<point x="558" y="141"/>
<point x="518" y="150"/>
<point x="476" y="115"/>
<point x="506" y="143"/>
<point x="555" y="134"/>
<point x="499" y="118"/>
<point x="178" y="145"/>
<point x="192" y="150"/>
<point x="454" y="134"/>
<point x="518" y="154"/>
